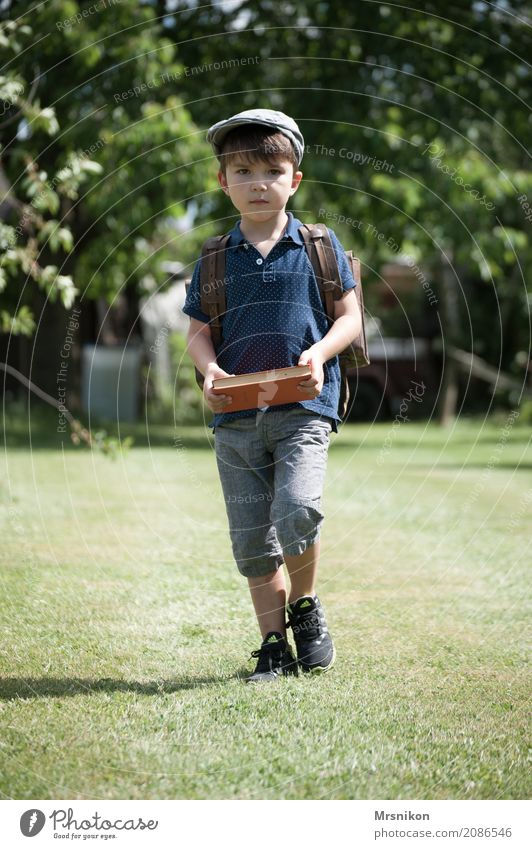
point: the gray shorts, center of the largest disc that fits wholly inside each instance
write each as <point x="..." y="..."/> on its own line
<point x="272" y="468"/>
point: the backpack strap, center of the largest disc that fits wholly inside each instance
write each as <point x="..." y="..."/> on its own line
<point x="321" y="253"/>
<point x="212" y="283"/>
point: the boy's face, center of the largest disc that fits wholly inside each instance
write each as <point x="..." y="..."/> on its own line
<point x="259" y="190"/>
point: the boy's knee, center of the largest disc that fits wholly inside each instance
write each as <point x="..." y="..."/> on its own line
<point x="297" y="525"/>
<point x="259" y="567"/>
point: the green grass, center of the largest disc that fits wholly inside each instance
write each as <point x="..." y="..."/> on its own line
<point x="126" y="627"/>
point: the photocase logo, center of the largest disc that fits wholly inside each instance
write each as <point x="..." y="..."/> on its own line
<point x="32" y="822"/>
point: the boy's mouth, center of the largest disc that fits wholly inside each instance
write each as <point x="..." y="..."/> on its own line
<point x="259" y="200"/>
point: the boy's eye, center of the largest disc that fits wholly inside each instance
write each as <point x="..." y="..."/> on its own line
<point x="275" y="170"/>
<point x="243" y="171"/>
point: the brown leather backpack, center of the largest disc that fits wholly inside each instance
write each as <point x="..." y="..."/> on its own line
<point x="323" y="258"/>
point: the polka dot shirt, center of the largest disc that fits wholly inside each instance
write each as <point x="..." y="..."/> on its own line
<point x="274" y="313"/>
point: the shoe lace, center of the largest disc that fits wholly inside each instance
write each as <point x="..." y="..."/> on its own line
<point x="266" y="655"/>
<point x="306" y="626"/>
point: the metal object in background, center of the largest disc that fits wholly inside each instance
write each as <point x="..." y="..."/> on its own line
<point x="110" y="381"/>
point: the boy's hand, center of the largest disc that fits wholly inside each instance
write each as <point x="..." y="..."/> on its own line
<point x="314" y="384"/>
<point x="216" y="403"/>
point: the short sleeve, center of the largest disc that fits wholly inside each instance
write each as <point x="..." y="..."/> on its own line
<point x="192" y="305"/>
<point x="346" y="276"/>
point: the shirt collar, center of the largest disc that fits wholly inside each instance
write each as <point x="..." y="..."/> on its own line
<point x="291" y="232"/>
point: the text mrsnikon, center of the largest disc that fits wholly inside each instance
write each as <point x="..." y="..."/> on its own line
<point x="407" y="815"/>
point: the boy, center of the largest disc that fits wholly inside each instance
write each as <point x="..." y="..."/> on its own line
<point x="272" y="461"/>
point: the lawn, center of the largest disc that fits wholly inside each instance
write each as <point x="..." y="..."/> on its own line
<point x="126" y="629"/>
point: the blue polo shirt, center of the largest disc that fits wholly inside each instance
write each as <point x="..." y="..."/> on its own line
<point x="274" y="313"/>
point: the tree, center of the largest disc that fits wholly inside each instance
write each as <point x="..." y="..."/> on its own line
<point x="97" y="150"/>
<point x="416" y="123"/>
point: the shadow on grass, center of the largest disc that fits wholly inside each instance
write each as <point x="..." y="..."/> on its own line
<point x="512" y="467"/>
<point x="39" y="431"/>
<point x="36" y="688"/>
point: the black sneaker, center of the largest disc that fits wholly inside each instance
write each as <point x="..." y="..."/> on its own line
<point x="315" y="649"/>
<point x="274" y="659"/>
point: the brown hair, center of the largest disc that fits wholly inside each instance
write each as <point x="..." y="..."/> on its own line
<point x="256" y="143"/>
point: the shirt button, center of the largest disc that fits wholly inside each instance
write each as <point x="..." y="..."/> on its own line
<point x="260" y="261"/>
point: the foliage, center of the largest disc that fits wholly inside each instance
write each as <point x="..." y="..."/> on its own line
<point x="111" y="445"/>
<point x="91" y="175"/>
<point x="415" y="123"/>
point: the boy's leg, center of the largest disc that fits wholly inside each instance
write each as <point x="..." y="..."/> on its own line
<point x="246" y="470"/>
<point x="268" y="594"/>
<point x="300" y="451"/>
<point x="299" y="441"/>
<point x="302" y="569"/>
<point x="274" y="658"/>
<point x="246" y="475"/>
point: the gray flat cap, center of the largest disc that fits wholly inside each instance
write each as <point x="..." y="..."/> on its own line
<point x="267" y="117"/>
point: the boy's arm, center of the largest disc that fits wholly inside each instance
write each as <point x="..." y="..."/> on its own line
<point x="202" y="353"/>
<point x="346" y="327"/>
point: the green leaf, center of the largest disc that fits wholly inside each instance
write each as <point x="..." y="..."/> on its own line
<point x="21" y="324"/>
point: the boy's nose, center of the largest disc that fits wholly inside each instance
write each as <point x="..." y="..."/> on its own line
<point x="259" y="185"/>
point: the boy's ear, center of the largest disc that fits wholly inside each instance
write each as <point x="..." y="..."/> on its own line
<point x="222" y="179"/>
<point x="296" y="179"/>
